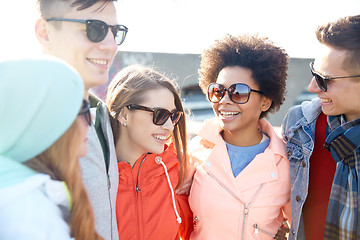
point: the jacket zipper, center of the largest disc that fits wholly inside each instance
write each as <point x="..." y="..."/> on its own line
<point x="137" y="178"/>
<point x="111" y="212"/>
<point x="257" y="228"/>
<point x="246" y="210"/>
<point x="137" y="189"/>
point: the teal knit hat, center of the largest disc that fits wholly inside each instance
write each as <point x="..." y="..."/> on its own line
<point x="39" y="100"/>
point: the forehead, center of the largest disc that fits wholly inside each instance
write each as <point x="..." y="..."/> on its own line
<point x="231" y="75"/>
<point x="159" y="98"/>
<point x="329" y="61"/>
<point x="100" y="11"/>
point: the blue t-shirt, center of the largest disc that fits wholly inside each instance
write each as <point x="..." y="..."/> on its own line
<point x="240" y="157"/>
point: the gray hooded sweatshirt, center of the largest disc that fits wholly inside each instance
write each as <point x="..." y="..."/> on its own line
<point x="101" y="184"/>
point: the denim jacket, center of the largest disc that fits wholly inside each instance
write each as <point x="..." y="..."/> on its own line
<point x="298" y="130"/>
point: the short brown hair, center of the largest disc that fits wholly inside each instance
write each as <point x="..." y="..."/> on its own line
<point x="56" y="8"/>
<point x="343" y="34"/>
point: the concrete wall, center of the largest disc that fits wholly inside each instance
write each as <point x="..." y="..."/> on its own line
<point x="184" y="67"/>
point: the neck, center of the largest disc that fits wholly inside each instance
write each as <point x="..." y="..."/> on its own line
<point x="244" y="137"/>
<point x="86" y="94"/>
<point x="125" y="150"/>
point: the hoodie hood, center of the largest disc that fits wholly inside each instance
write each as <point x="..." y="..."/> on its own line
<point x="40" y="98"/>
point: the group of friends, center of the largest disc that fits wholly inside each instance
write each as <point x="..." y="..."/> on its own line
<point x="75" y="167"/>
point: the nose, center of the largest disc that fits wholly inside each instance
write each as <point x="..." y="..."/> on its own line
<point x="109" y="42"/>
<point x="225" y="98"/>
<point x="313" y="86"/>
<point x="168" y="125"/>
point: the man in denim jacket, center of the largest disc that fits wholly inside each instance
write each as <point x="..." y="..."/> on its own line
<point x="324" y="133"/>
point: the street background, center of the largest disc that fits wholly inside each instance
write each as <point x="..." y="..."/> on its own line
<point x="170" y="35"/>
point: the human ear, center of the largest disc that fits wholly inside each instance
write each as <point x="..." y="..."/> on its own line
<point x="42" y="32"/>
<point x="265" y="104"/>
<point x="123" y="116"/>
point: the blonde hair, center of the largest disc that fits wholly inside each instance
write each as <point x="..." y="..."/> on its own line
<point x="61" y="162"/>
<point x="128" y="87"/>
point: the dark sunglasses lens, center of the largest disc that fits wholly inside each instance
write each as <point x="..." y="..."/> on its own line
<point x="215" y="92"/>
<point x="239" y="93"/>
<point x="96" y="30"/>
<point x="119" y="33"/>
<point x="161" y="116"/>
<point x="175" y="117"/>
<point x="85" y="112"/>
<point x="88" y="117"/>
<point x="320" y="81"/>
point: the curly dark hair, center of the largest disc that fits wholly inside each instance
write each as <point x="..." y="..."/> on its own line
<point x="268" y="65"/>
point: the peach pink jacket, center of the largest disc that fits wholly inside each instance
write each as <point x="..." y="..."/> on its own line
<point x="250" y="206"/>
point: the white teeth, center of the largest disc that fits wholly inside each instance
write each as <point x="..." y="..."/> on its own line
<point x="98" y="61"/>
<point x="160" y="137"/>
<point x="228" y="114"/>
<point x="325" y="100"/>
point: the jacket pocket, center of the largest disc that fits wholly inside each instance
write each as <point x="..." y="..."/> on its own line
<point x="261" y="233"/>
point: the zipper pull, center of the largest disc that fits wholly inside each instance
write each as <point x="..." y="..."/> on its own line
<point x="256" y="229"/>
<point x="246" y="210"/>
<point x="108" y="181"/>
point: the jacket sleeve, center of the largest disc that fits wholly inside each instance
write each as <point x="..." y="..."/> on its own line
<point x="186" y="226"/>
<point x="286" y="208"/>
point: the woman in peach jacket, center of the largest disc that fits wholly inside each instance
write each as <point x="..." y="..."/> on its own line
<point x="241" y="188"/>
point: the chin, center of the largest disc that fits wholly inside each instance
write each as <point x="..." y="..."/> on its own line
<point x="82" y="152"/>
<point x="157" y="149"/>
<point x="226" y="126"/>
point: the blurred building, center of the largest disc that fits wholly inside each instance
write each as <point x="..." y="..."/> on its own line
<point x="184" y="68"/>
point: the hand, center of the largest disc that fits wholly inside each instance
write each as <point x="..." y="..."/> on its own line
<point x="283" y="230"/>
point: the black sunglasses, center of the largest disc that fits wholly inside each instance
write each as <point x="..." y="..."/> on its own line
<point x="97" y="30"/>
<point x="160" y="115"/>
<point x="321" y="80"/>
<point x="238" y="92"/>
<point x="85" y="110"/>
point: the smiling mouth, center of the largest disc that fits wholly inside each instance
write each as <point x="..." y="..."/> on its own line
<point x="325" y="100"/>
<point x="228" y="114"/>
<point x="160" y="137"/>
<point x="98" y="61"/>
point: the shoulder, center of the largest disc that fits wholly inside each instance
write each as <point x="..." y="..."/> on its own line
<point x="199" y="150"/>
<point x="301" y="115"/>
<point x="94" y="100"/>
<point x="293" y="114"/>
<point x="307" y="109"/>
<point x="168" y="155"/>
<point x="31" y="214"/>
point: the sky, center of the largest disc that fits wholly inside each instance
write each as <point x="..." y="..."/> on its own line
<point x="189" y="26"/>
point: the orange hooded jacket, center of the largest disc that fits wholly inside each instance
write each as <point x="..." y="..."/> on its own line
<point x="144" y="207"/>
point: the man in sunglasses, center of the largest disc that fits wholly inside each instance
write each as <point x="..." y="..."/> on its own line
<point x="85" y="33"/>
<point x="322" y="140"/>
